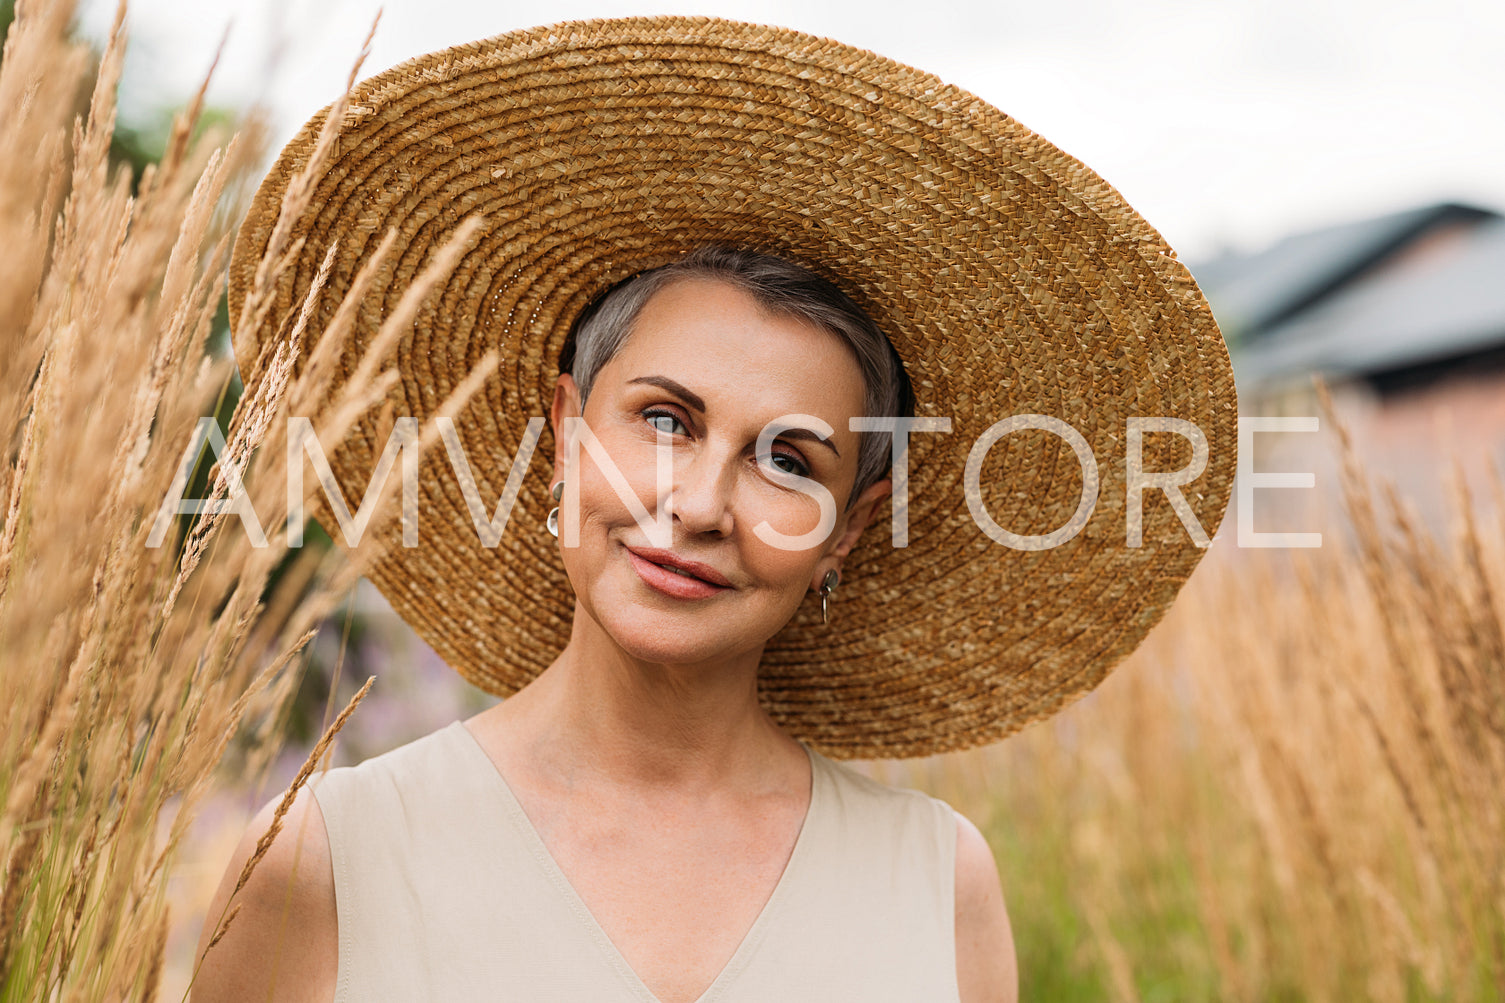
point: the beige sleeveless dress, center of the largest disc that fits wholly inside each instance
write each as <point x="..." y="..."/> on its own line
<point x="445" y="892"/>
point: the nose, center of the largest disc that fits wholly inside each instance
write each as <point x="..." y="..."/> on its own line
<point x="700" y="498"/>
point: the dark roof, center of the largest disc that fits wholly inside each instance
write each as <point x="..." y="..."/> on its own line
<point x="1447" y="304"/>
<point x="1253" y="294"/>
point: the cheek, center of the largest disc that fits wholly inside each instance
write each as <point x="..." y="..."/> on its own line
<point x="790" y="515"/>
<point x="634" y="463"/>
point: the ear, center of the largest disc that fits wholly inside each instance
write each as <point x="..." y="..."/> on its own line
<point x="566" y="405"/>
<point x="857" y="519"/>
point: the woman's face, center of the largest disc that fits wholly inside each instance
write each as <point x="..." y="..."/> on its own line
<point x="706" y="365"/>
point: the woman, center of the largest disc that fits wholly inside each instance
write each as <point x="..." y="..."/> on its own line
<point x="647" y="816"/>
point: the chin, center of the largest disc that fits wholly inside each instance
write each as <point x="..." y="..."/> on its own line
<point x="656" y="638"/>
<point x="666" y="651"/>
<point x="651" y="634"/>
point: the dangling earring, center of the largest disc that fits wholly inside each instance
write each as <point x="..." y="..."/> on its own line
<point x="827" y="586"/>
<point x="552" y="522"/>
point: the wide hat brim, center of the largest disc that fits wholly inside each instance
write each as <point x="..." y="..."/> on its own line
<point x="1011" y="279"/>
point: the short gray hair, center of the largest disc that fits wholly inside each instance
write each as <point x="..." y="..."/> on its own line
<point x="780" y="287"/>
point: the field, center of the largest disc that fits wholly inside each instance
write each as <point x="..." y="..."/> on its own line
<point x="1291" y="792"/>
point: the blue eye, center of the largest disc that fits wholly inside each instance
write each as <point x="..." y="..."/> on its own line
<point x="789" y="464"/>
<point x="664" y="421"/>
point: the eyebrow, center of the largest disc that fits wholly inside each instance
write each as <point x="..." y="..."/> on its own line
<point x="674" y="387"/>
<point x="693" y="400"/>
<point x="808" y="435"/>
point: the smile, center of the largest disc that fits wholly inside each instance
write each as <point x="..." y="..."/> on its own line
<point x="669" y="576"/>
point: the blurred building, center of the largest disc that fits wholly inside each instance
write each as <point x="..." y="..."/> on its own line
<point x="1401" y="301"/>
<point x="1403" y="315"/>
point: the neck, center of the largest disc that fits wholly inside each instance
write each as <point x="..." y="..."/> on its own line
<point x="599" y="713"/>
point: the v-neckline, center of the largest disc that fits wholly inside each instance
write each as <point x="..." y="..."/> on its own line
<point x="745" y="948"/>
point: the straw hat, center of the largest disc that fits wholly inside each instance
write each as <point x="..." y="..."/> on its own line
<point x="1011" y="279"/>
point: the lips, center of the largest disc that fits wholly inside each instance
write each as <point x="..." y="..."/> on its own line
<point x="674" y="576"/>
<point x="692" y="569"/>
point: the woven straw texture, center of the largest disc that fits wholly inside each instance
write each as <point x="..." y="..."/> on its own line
<point x="1010" y="278"/>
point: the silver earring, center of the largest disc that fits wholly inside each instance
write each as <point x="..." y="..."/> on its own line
<point x="827" y="586"/>
<point x="552" y="522"/>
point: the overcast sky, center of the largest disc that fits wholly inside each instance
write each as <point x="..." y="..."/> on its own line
<point x="1227" y="124"/>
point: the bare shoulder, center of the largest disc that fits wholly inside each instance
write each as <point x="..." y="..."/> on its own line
<point x="283" y="943"/>
<point x="986" y="969"/>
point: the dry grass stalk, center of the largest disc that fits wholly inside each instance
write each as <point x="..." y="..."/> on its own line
<point x="1291" y="792"/>
<point x="126" y="669"/>
<point x="264" y="842"/>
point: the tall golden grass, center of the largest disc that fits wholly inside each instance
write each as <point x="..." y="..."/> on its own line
<point x="1294" y="791"/>
<point x="125" y="670"/>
